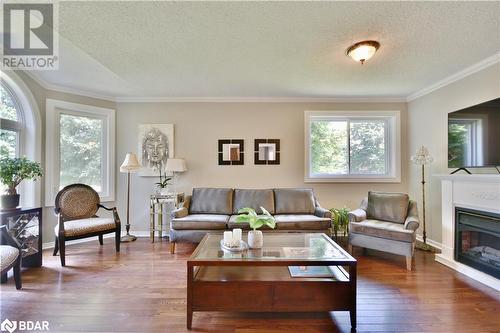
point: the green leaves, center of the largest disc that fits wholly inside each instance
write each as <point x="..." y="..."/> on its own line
<point x="250" y="216"/>
<point x="340" y="219"/>
<point x="15" y="170"/>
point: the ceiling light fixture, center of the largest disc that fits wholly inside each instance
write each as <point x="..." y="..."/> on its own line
<point x="363" y="51"/>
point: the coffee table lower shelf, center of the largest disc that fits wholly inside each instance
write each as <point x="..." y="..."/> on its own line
<point x="268" y="289"/>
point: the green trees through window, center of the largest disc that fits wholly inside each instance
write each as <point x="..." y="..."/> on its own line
<point x="348" y="147"/>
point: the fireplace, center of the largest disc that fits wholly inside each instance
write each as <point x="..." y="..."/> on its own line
<point x="477" y="240"/>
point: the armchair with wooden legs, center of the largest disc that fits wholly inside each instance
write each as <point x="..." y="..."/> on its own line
<point x="76" y="206"/>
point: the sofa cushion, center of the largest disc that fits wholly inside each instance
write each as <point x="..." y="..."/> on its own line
<point x="9" y="255"/>
<point x="382" y="229"/>
<point x="212" y="201"/>
<point x="243" y="225"/>
<point x="392" y="207"/>
<point x="200" y="221"/>
<point x="301" y="222"/>
<point x="253" y="199"/>
<point x="86" y="226"/>
<point x="294" y="201"/>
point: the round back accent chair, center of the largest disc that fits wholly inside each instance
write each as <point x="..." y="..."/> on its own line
<point x="76" y="206"/>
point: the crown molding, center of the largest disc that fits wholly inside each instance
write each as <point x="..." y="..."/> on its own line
<point x="67" y="90"/>
<point x="343" y="99"/>
<point x="492" y="60"/>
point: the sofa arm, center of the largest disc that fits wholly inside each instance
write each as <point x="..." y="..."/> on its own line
<point x="412" y="223"/>
<point x="322" y="212"/>
<point x="179" y="212"/>
<point x="357" y="215"/>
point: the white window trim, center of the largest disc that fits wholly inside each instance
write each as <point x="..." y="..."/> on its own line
<point x="54" y="108"/>
<point x="394" y="147"/>
<point x="30" y="135"/>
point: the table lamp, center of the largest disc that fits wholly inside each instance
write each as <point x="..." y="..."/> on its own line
<point x="129" y="165"/>
<point x="175" y="165"/>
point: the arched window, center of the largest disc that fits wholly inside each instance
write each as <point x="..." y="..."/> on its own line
<point x="11" y="122"/>
<point x="20" y="129"/>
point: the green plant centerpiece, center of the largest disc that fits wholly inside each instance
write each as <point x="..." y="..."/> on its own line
<point x="340" y="221"/>
<point x="256" y="221"/>
<point x="12" y="172"/>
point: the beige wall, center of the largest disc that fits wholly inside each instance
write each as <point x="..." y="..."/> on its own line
<point x="198" y="126"/>
<point x="428" y="126"/>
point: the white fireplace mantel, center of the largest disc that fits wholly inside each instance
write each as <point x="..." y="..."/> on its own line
<point x="479" y="192"/>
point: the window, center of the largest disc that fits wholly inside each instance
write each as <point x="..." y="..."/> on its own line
<point x="80" y="148"/>
<point x="352" y="146"/>
<point x="11" y="122"/>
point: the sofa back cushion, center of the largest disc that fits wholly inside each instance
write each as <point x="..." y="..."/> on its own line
<point x="212" y="201"/>
<point x="392" y="207"/>
<point x="253" y="199"/>
<point x="294" y="201"/>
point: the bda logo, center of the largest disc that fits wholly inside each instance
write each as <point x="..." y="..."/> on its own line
<point x="8" y="325"/>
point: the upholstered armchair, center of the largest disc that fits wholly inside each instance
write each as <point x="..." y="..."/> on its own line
<point x="76" y="207"/>
<point x="10" y="252"/>
<point x="385" y="222"/>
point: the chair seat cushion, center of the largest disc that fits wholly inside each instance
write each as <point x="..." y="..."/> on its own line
<point x="86" y="226"/>
<point x="383" y="229"/>
<point x="243" y="225"/>
<point x="200" y="222"/>
<point x="301" y="222"/>
<point x="8" y="256"/>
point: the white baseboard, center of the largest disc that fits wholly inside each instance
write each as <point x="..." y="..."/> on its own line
<point x="431" y="242"/>
<point x="142" y="234"/>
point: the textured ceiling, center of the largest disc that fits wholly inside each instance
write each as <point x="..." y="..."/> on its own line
<point x="268" y="49"/>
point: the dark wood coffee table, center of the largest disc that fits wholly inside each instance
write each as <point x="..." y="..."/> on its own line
<point x="259" y="280"/>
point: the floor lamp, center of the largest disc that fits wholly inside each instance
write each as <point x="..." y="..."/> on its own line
<point x="423" y="158"/>
<point x="129" y="165"/>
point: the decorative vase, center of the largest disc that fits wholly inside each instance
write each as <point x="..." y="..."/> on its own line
<point x="10" y="201"/>
<point x="255" y="239"/>
<point x="164" y="191"/>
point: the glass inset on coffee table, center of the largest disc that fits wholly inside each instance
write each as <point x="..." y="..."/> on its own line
<point x="260" y="280"/>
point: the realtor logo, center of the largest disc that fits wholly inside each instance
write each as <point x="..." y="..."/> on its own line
<point x="8" y="325"/>
<point x="29" y="40"/>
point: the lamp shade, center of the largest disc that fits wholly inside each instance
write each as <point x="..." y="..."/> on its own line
<point x="176" y="165"/>
<point x="422" y="156"/>
<point x="130" y="164"/>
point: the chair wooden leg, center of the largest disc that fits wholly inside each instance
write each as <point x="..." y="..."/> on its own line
<point x="101" y="242"/>
<point x="17" y="273"/>
<point x="117" y="240"/>
<point x="172" y="247"/>
<point x="408" y="263"/>
<point x="56" y="246"/>
<point x="62" y="251"/>
<point x="3" y="279"/>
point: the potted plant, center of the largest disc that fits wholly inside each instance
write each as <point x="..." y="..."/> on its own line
<point x="12" y="172"/>
<point x="340" y="221"/>
<point x="248" y="215"/>
<point x="162" y="185"/>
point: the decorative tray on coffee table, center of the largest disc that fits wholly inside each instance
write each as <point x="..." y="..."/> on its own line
<point x="243" y="246"/>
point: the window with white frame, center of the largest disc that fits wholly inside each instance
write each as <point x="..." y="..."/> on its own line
<point x="357" y="146"/>
<point x="11" y="122"/>
<point x="80" y="148"/>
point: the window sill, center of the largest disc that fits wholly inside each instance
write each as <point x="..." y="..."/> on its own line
<point x="353" y="180"/>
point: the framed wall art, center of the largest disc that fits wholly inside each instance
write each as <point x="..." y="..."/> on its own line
<point x="156" y="145"/>
<point x="231" y="152"/>
<point x="267" y="151"/>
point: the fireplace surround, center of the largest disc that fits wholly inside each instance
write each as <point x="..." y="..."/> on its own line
<point x="477" y="240"/>
<point x="466" y="195"/>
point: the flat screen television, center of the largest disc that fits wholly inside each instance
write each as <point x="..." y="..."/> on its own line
<point x="474" y="136"/>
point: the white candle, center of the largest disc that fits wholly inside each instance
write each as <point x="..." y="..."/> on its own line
<point x="237" y="236"/>
<point x="228" y="238"/>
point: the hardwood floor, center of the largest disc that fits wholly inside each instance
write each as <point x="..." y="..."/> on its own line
<point x="143" y="289"/>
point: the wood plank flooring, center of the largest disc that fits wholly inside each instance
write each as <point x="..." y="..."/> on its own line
<point x="143" y="289"/>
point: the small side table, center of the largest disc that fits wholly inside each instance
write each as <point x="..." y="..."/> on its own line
<point x="25" y="225"/>
<point x="157" y="202"/>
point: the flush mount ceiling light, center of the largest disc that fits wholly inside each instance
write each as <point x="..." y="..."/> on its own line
<point x="363" y="51"/>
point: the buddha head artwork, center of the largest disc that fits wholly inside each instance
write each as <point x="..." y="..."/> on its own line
<point x="154" y="149"/>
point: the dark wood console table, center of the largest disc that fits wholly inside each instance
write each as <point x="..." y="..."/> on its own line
<point x="25" y="225"/>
